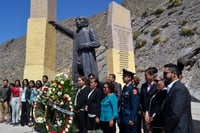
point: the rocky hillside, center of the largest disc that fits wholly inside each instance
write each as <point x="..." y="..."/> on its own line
<point x="168" y="33"/>
<point x="12" y="52"/>
<point x="161" y="34"/>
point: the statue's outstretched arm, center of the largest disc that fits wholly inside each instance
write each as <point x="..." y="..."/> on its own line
<point x="62" y="29"/>
<point x="94" y="41"/>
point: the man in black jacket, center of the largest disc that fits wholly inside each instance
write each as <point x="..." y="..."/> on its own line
<point x="148" y="89"/>
<point x="177" y="106"/>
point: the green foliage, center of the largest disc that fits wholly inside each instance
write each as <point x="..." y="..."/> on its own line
<point x="174" y="3"/>
<point x="171" y="12"/>
<point x="145" y="13"/>
<point x="184" y="22"/>
<point x="187" y="31"/>
<point x="156" y="40"/>
<point x="158" y="11"/>
<point x="140" y="43"/>
<point x="146" y="32"/>
<point x="155" y="32"/>
<point x="136" y="33"/>
<point x="40" y="110"/>
<point x="181" y="12"/>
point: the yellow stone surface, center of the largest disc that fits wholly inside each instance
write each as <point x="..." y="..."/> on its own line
<point x="120" y="53"/>
<point x="40" y="49"/>
<point x="41" y="40"/>
<point x="113" y="63"/>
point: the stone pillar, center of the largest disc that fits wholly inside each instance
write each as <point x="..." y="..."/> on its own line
<point x="41" y="40"/>
<point x="120" y="53"/>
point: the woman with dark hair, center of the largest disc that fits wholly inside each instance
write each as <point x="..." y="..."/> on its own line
<point x="15" y="101"/>
<point x="109" y="109"/>
<point x="155" y="105"/>
<point x="38" y="88"/>
<point x="93" y="107"/>
<point x="80" y="103"/>
<point x="25" y="96"/>
<point x="31" y="100"/>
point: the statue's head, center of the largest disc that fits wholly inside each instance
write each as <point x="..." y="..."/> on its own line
<point x="81" y="22"/>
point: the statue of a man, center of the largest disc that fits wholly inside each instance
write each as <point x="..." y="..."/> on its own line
<point x="85" y="42"/>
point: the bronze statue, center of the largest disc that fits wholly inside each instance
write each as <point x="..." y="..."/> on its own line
<point x="85" y="42"/>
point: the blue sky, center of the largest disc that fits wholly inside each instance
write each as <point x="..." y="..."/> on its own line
<point x="14" y="14"/>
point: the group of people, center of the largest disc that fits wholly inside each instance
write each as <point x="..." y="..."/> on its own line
<point x="162" y="105"/>
<point x="17" y="100"/>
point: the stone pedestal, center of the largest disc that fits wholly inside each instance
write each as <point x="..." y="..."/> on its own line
<point x="120" y="53"/>
<point x="41" y="40"/>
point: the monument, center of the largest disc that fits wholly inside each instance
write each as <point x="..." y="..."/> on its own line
<point x="120" y="53"/>
<point x="41" y="40"/>
<point x="85" y="42"/>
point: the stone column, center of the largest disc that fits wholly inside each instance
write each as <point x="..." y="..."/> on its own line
<point x="120" y="53"/>
<point x="41" y="40"/>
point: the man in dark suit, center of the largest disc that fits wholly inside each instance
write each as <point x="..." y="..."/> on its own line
<point x="148" y="89"/>
<point x="177" y="106"/>
<point x="117" y="86"/>
<point x="129" y="104"/>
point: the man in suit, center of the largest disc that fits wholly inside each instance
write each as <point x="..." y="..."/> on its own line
<point x="129" y="104"/>
<point x="148" y="89"/>
<point x="177" y="107"/>
<point x="117" y="86"/>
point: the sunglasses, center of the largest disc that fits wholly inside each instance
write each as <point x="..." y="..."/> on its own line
<point x="156" y="80"/>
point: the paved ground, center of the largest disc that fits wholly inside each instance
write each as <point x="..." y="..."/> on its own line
<point x="196" y="116"/>
<point x="6" y="128"/>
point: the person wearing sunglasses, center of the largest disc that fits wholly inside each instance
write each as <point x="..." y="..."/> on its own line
<point x="155" y="104"/>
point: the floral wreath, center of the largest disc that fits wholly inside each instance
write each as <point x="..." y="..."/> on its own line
<point x="39" y="112"/>
<point x="57" y="98"/>
<point x="64" y="124"/>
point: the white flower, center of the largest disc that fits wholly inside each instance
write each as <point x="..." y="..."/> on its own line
<point x="70" y="102"/>
<point x="68" y="126"/>
<point x="70" y="106"/>
<point x="69" y="98"/>
<point x="62" y="82"/>
<point x="59" y="93"/>
<point x="70" y="121"/>
<point x="62" y="103"/>
<point x="65" y="95"/>
<point x="66" y="130"/>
